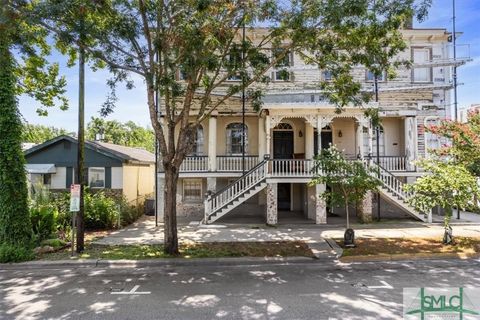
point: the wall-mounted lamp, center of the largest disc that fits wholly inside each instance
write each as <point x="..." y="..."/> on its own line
<point x="340" y="133"/>
<point x="300" y="133"/>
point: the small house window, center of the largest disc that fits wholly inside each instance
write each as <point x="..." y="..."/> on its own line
<point x="235" y="145"/>
<point x="285" y="60"/>
<point x="192" y="190"/>
<point x="96" y="177"/>
<point x="47" y="179"/>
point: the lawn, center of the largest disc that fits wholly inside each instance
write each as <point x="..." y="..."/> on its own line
<point x="191" y="250"/>
<point x="421" y="246"/>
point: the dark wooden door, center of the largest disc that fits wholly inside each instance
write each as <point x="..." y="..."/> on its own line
<point x="283" y="196"/>
<point x="282" y="144"/>
<point x="327" y="139"/>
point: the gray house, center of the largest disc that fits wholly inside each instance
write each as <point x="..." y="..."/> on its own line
<point x="128" y="170"/>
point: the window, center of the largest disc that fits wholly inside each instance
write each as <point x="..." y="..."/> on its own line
<point x="197" y="147"/>
<point x="381" y="142"/>
<point x="370" y="76"/>
<point x="47" y="179"/>
<point x="421" y="55"/>
<point x="192" y="190"/>
<point x="96" y="177"/>
<point x="285" y="61"/>
<point x="327" y="75"/>
<point x="182" y="75"/>
<point x="235" y="131"/>
<point x="234" y="63"/>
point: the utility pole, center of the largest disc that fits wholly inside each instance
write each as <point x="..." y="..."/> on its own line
<point x="243" y="93"/>
<point x="377" y="135"/>
<point x="81" y="139"/>
<point x="454" y="37"/>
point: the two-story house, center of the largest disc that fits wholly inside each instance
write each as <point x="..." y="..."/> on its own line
<point x="270" y="169"/>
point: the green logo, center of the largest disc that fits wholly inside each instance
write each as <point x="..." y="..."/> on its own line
<point x="442" y="303"/>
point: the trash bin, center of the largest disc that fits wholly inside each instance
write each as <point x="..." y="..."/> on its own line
<point x="150" y="207"/>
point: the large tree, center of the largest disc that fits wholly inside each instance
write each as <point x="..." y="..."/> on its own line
<point x="157" y="40"/>
<point x="37" y="133"/>
<point x="23" y="70"/>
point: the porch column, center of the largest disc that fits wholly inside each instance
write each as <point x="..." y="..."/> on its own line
<point x="212" y="143"/>
<point x="160" y="197"/>
<point x="308" y="141"/>
<point x="370" y="140"/>
<point x="359" y="138"/>
<point x="267" y="133"/>
<point x="320" y="205"/>
<point x="261" y="138"/>
<point x="319" y="134"/>
<point x="366" y="209"/>
<point x="212" y="184"/>
<point x="410" y="141"/>
<point x="271" y="206"/>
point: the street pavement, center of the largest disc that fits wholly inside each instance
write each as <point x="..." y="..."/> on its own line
<point x="317" y="289"/>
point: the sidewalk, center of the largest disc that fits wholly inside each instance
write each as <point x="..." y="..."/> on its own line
<point x="145" y="232"/>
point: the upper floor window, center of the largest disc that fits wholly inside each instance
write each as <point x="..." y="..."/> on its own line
<point x="419" y="56"/>
<point x="285" y="60"/>
<point x="327" y="75"/>
<point x="234" y="64"/>
<point x="198" y="142"/>
<point x="235" y="145"/>
<point x="96" y="177"/>
<point x="182" y="75"/>
<point x="370" y="76"/>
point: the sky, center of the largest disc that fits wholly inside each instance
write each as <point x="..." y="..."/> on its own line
<point x="131" y="104"/>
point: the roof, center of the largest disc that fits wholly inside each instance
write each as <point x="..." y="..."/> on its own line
<point x="123" y="153"/>
<point x="40" y="168"/>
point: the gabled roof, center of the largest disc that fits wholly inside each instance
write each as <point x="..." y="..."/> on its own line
<point x="122" y="153"/>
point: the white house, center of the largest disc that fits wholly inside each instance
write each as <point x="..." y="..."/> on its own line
<point x="294" y="123"/>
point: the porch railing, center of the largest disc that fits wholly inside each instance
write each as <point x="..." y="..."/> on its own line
<point x="194" y="164"/>
<point x="235" y="163"/>
<point x="393" y="163"/>
<point x="291" y="168"/>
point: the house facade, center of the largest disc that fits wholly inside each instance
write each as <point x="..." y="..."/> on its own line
<point x="271" y="170"/>
<point x="123" y="170"/>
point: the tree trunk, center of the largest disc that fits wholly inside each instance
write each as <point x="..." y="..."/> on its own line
<point x="170" y="210"/>
<point x="347" y="213"/>
<point x="81" y="150"/>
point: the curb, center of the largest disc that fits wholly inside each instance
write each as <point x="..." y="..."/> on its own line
<point x="99" y="263"/>
<point x="418" y="256"/>
<point x="335" y="247"/>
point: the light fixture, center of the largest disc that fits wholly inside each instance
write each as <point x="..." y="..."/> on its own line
<point x="300" y="133"/>
<point x="340" y="133"/>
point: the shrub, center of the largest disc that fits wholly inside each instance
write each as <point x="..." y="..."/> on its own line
<point x="101" y="212"/>
<point x="55" y="243"/>
<point x="12" y="253"/>
<point x="43" y="220"/>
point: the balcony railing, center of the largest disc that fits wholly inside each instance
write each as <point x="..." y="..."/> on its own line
<point x="393" y="163"/>
<point x="194" y="164"/>
<point x="235" y="163"/>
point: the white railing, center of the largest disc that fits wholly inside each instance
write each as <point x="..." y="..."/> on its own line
<point x="194" y="164"/>
<point x="390" y="182"/>
<point x="392" y="163"/>
<point x="235" y="163"/>
<point x="218" y="200"/>
<point x="291" y="168"/>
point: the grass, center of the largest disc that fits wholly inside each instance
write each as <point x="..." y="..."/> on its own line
<point x="396" y="246"/>
<point x="190" y="250"/>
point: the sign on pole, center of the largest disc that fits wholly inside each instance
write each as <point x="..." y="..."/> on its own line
<point x="75" y="198"/>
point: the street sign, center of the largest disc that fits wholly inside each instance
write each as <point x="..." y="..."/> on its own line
<point x="75" y="198"/>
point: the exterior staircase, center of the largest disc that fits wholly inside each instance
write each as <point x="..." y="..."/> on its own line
<point x="220" y="203"/>
<point x="392" y="191"/>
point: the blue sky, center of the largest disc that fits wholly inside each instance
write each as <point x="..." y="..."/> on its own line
<point x="131" y="104"/>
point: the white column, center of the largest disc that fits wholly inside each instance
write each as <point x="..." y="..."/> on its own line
<point x="359" y="138"/>
<point x="320" y="205"/>
<point x="309" y="139"/>
<point x="410" y="141"/>
<point x="261" y="138"/>
<point x="370" y="140"/>
<point x="212" y="143"/>
<point x="319" y="134"/>
<point x="271" y="206"/>
<point x="267" y="132"/>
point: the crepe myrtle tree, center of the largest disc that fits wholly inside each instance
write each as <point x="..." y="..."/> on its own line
<point x="349" y="180"/>
<point x="446" y="185"/>
<point x="186" y="50"/>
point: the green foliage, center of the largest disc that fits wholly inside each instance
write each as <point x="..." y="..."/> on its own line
<point x="444" y="184"/>
<point x="55" y="243"/>
<point x="15" y="253"/>
<point x="349" y="180"/>
<point x="43" y="222"/>
<point x="36" y="133"/>
<point x="15" y="227"/>
<point x="101" y="212"/>
<point x="126" y="134"/>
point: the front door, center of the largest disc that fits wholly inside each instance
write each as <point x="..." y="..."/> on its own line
<point x="282" y="144"/>
<point x="327" y="140"/>
<point x="283" y="196"/>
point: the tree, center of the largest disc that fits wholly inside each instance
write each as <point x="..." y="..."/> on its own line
<point x="159" y="40"/>
<point x="127" y="134"/>
<point x="445" y="184"/>
<point x="463" y="146"/>
<point x="28" y="74"/>
<point x="37" y="133"/>
<point x="349" y="181"/>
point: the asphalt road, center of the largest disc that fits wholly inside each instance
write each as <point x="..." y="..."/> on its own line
<point x="320" y="290"/>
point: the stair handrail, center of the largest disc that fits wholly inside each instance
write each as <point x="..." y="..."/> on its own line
<point x="391" y="182"/>
<point x="209" y="209"/>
